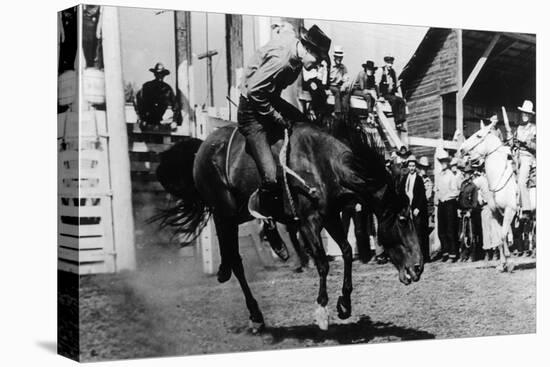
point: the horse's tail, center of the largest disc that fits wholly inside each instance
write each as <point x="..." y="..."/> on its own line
<point x="189" y="214"/>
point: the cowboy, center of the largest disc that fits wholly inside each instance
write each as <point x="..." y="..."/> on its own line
<point x="155" y="97"/>
<point x="365" y="85"/>
<point x="263" y="114"/>
<point x="468" y="207"/>
<point x="524" y="141"/>
<point x="338" y="78"/>
<point x="389" y="89"/>
<point x="413" y="186"/>
<point x="91" y="35"/>
<point x="67" y="28"/>
<point x="446" y="194"/>
<point x="423" y="166"/>
<point x="455" y="166"/>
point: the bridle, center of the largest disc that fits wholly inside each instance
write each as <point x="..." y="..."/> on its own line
<point x="484" y="156"/>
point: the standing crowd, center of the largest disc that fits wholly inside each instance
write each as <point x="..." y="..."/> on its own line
<point x="460" y="197"/>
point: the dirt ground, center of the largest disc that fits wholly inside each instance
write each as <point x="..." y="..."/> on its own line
<point x="173" y="309"/>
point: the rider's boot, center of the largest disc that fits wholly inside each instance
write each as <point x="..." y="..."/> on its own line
<point x="277" y="244"/>
<point x="266" y="203"/>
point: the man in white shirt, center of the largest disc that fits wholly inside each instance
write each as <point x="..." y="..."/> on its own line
<point x="446" y="194"/>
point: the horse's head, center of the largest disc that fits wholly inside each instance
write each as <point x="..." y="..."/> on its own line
<point x="398" y="236"/>
<point x="480" y="143"/>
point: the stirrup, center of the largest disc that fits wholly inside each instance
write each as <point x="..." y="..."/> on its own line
<point x="254" y="206"/>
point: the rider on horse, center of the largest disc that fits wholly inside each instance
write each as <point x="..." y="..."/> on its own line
<point x="524" y="141"/>
<point x="263" y="114"/>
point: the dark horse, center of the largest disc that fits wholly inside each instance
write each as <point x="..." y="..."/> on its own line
<point x="349" y="127"/>
<point x="339" y="175"/>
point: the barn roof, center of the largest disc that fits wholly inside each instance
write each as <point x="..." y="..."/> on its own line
<point x="513" y="55"/>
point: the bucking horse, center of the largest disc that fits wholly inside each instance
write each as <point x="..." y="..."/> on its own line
<point x="217" y="176"/>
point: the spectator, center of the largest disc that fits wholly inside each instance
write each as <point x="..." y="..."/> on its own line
<point x="468" y="208"/>
<point x="454" y="166"/>
<point x="489" y="226"/>
<point x="338" y="78"/>
<point x="67" y="23"/>
<point x="365" y="85"/>
<point x="91" y="35"/>
<point x="423" y="166"/>
<point x="389" y="88"/>
<point x="413" y="186"/>
<point x="155" y="97"/>
<point x="446" y="195"/>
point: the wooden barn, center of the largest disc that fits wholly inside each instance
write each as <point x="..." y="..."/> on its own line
<point x="456" y="77"/>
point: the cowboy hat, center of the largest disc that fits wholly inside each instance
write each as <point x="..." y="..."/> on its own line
<point x="411" y="158"/>
<point x="369" y="64"/>
<point x="468" y="168"/>
<point x="389" y="59"/>
<point x="403" y="152"/>
<point x="159" y="69"/>
<point x="444" y="156"/>
<point x="338" y="51"/>
<point x="527" y="107"/>
<point x="316" y="41"/>
<point x="423" y="162"/>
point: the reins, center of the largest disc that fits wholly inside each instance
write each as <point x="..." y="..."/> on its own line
<point x="227" y="155"/>
<point x="288" y="171"/>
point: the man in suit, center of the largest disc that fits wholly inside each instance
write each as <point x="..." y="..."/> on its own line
<point x="413" y="185"/>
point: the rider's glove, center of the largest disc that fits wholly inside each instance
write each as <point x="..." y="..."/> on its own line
<point x="281" y="121"/>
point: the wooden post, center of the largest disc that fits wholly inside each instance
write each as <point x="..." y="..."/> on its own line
<point x="479" y="65"/>
<point x="121" y="187"/>
<point x="459" y="105"/>
<point x="235" y="59"/>
<point x="184" y="61"/>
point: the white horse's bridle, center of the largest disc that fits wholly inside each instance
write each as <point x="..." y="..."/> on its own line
<point x="484" y="156"/>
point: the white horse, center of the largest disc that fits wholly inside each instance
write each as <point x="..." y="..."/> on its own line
<point x="502" y="182"/>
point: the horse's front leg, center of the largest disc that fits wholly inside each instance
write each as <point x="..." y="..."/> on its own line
<point x="311" y="233"/>
<point x="336" y="230"/>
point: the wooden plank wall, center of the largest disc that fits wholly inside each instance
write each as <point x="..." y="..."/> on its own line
<point x="435" y="77"/>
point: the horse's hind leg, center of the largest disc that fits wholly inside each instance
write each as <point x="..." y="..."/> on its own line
<point x="310" y="230"/>
<point x="228" y="236"/>
<point x="336" y="230"/>
<point x="506" y="228"/>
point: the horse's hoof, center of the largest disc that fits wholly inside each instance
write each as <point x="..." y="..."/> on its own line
<point x="343" y="311"/>
<point x="510" y="267"/>
<point x="256" y="328"/>
<point x="500" y="268"/>
<point x="322" y="317"/>
<point x="224" y="273"/>
<point x="299" y="269"/>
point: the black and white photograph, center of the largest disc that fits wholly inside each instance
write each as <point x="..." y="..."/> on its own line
<point x="232" y="182"/>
